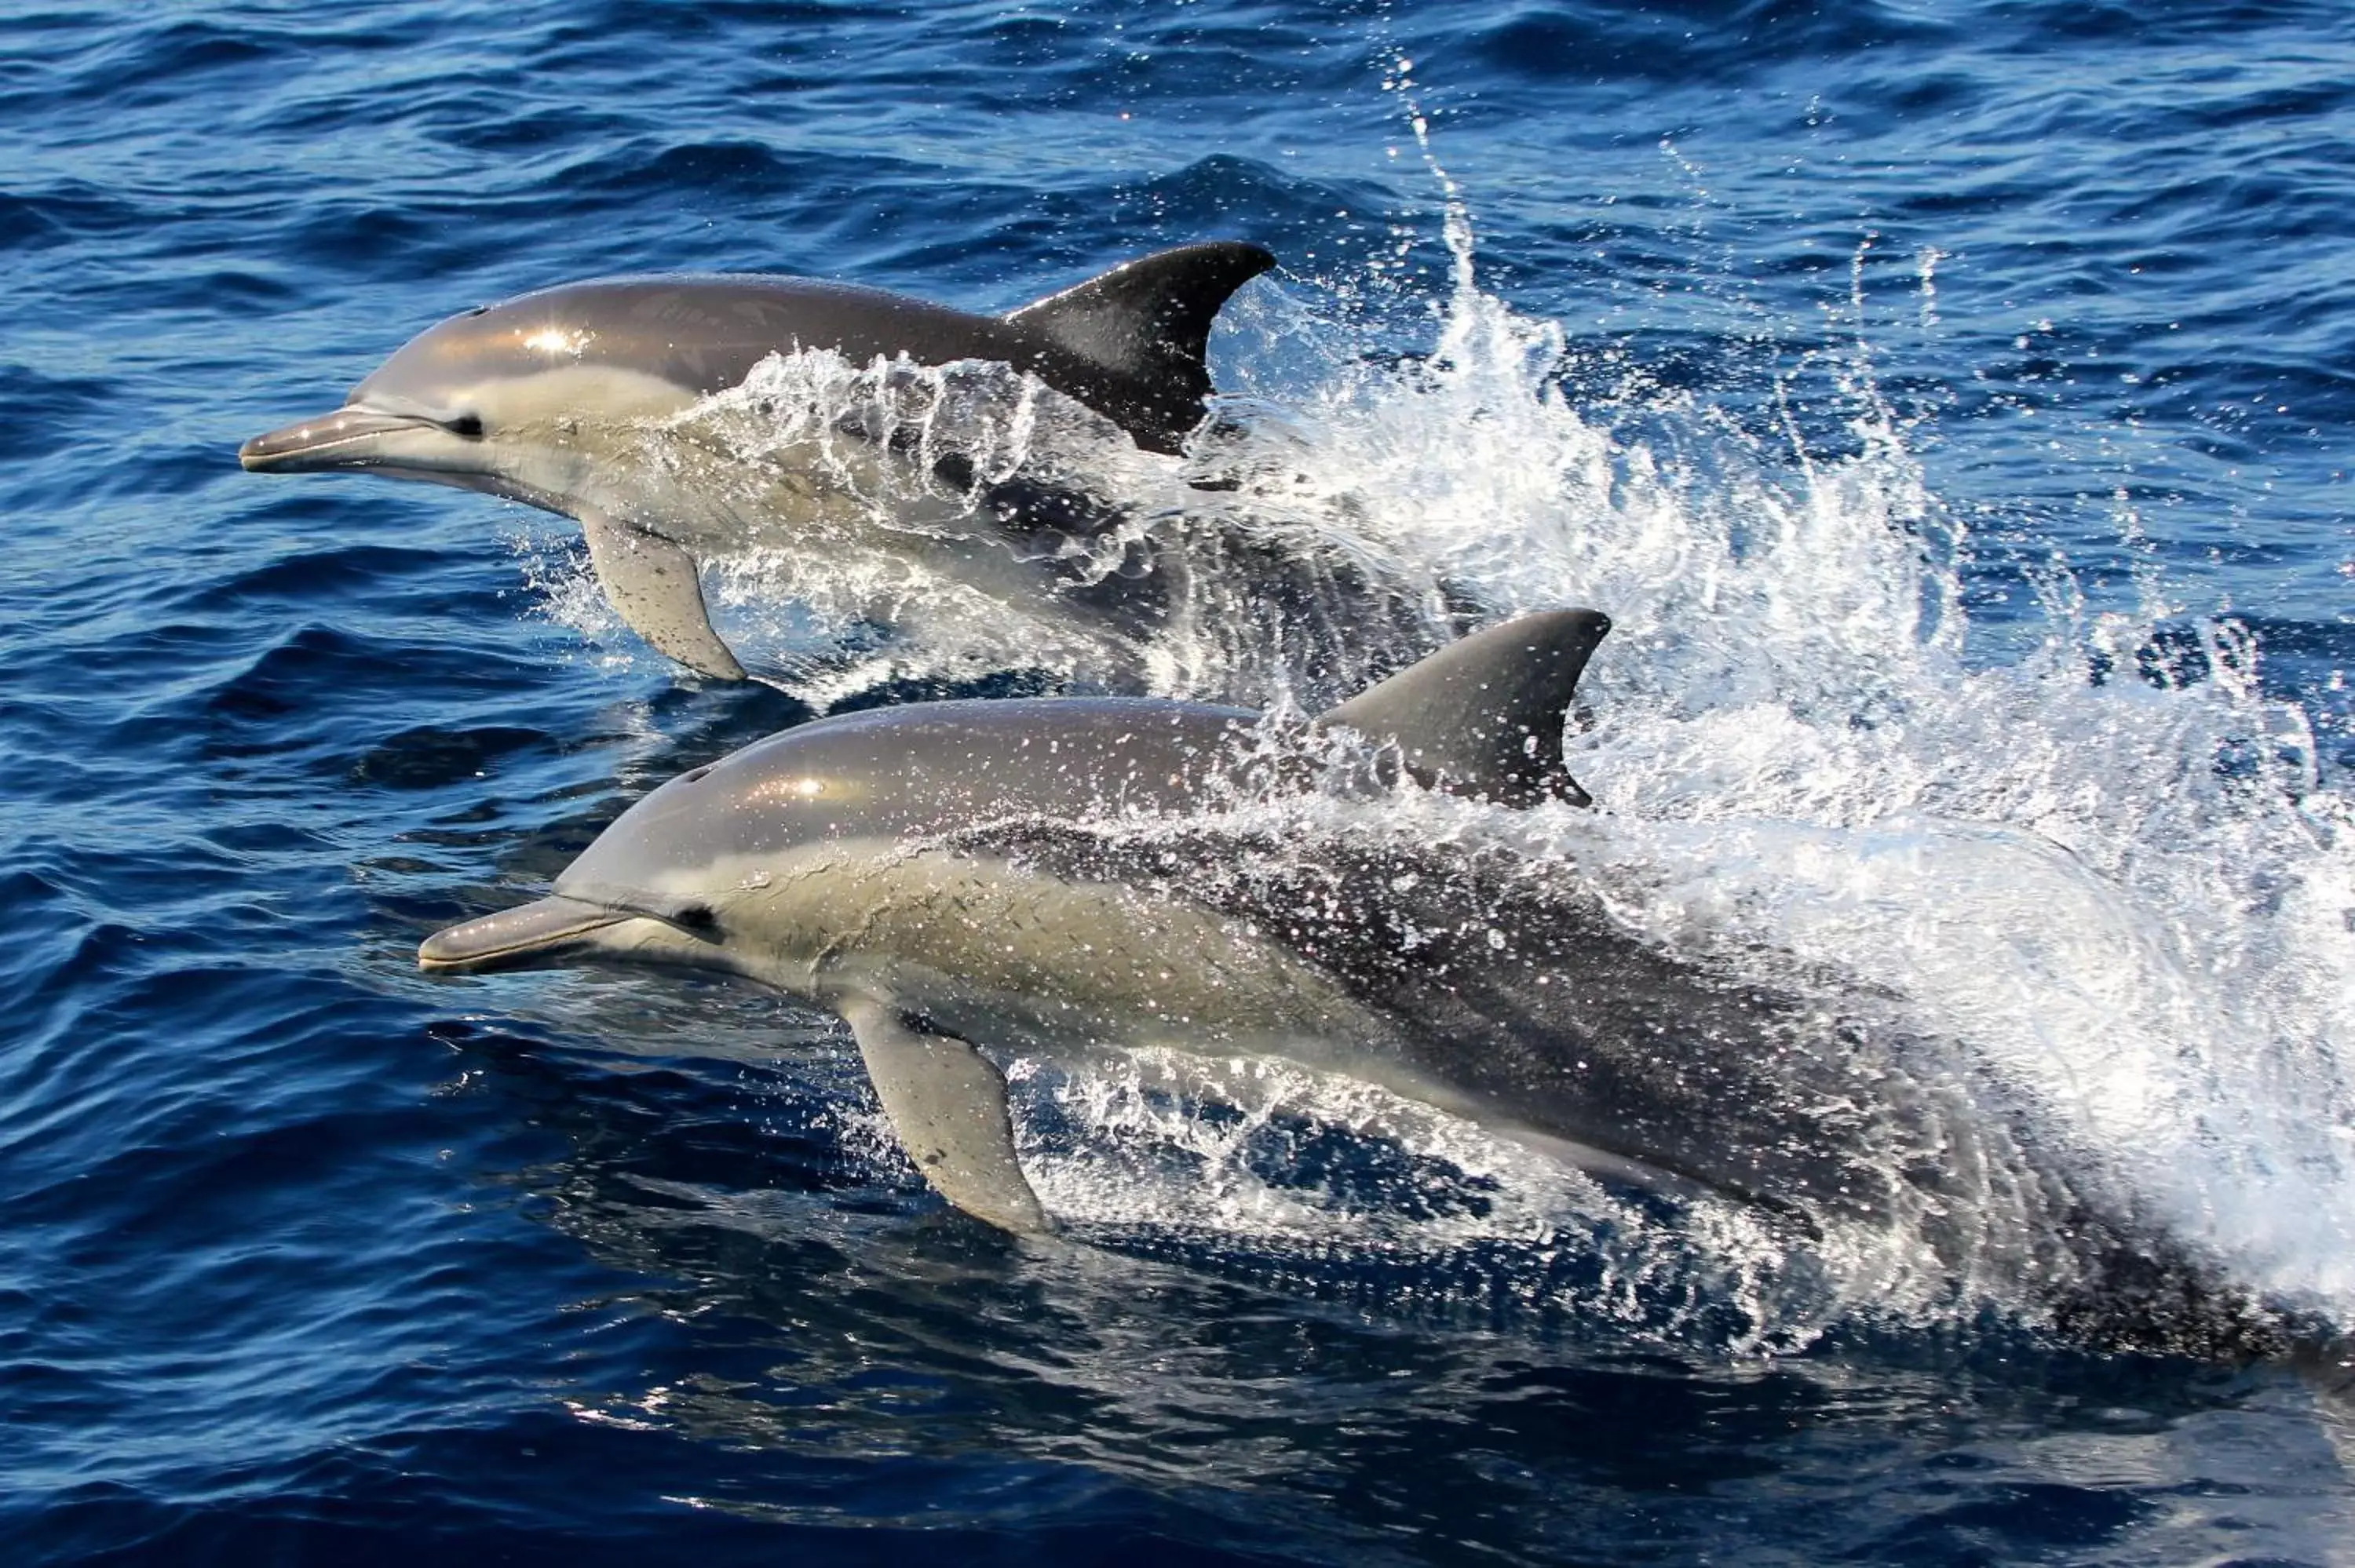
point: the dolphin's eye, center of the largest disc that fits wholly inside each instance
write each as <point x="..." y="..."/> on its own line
<point x="467" y="425"/>
<point x="696" y="917"/>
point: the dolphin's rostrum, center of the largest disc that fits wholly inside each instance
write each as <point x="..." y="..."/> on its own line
<point x="545" y="399"/>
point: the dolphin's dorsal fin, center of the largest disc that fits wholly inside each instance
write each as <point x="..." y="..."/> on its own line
<point x="1130" y="344"/>
<point x="1484" y="716"/>
<point x="947" y="1103"/>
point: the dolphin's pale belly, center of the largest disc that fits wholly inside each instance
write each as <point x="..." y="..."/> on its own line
<point x="1007" y="953"/>
<point x="876" y="531"/>
<point x="1461" y="979"/>
<point x="690" y="488"/>
<point x="999" y="952"/>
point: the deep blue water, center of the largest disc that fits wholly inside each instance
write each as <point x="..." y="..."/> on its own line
<point x="1951" y="403"/>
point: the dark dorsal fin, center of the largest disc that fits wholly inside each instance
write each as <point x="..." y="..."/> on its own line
<point x="1129" y="343"/>
<point x="1484" y="716"/>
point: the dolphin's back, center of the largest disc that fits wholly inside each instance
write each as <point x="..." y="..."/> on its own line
<point x="703" y="333"/>
<point x="1129" y="343"/>
<point x="900" y="773"/>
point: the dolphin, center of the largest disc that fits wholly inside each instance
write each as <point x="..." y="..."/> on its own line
<point x="549" y="397"/>
<point x="915" y="870"/>
<point x="821" y="861"/>
<point x="1056" y="878"/>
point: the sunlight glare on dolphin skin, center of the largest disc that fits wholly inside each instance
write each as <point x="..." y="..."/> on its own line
<point x="804" y="789"/>
<point x="560" y="342"/>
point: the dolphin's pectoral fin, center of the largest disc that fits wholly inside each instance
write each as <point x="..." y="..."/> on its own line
<point x="947" y="1103"/>
<point x="653" y="583"/>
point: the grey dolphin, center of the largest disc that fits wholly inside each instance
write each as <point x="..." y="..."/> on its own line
<point x="912" y="870"/>
<point x="815" y="862"/>
<point x="545" y="399"/>
<point x="1059" y="876"/>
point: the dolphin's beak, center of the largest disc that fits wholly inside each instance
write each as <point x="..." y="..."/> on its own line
<point x="538" y="933"/>
<point x="344" y="438"/>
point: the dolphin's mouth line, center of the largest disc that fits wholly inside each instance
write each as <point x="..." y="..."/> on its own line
<point x="315" y="448"/>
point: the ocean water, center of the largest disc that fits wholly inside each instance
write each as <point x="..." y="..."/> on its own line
<point x="1948" y="402"/>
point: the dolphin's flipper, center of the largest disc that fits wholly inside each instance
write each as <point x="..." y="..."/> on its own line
<point x="1130" y="344"/>
<point x="653" y="583"/>
<point x="1485" y="716"/>
<point x="947" y="1103"/>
